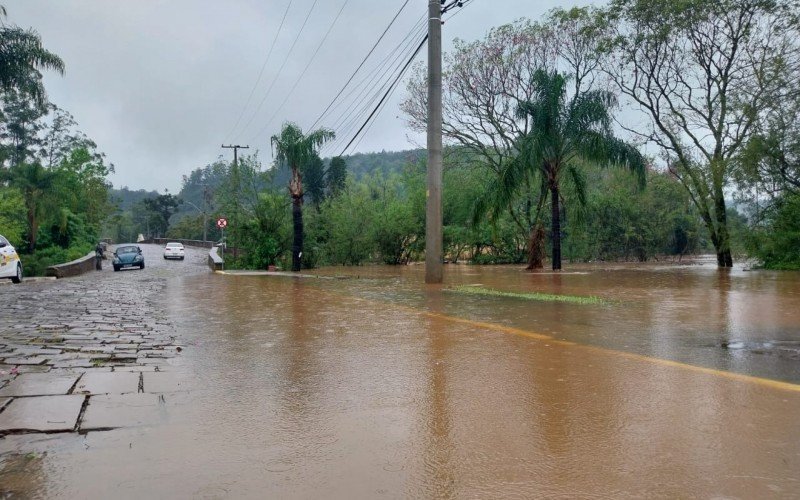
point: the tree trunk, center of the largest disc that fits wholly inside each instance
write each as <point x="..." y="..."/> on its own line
<point x="723" y="244"/>
<point x="556" y="227"/>
<point x="296" y="192"/>
<point x="33" y="227"/>
<point x="297" y="243"/>
<point x="536" y="251"/>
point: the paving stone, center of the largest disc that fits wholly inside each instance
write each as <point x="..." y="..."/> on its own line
<point x="25" y="361"/>
<point x="108" y="383"/>
<point x="164" y="382"/>
<point x="42" y="414"/>
<point x="125" y="410"/>
<point x="39" y="384"/>
<point x="4" y="402"/>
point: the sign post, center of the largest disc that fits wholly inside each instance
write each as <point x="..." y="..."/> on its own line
<point x="222" y="223"/>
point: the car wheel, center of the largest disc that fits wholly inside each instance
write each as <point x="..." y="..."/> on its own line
<point x="18" y="278"/>
<point x="141" y="266"/>
<point x="116" y="268"/>
<point x="181" y="258"/>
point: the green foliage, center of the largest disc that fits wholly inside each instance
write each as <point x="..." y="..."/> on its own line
<point x="157" y="213"/>
<point x="314" y="178"/>
<point x="37" y="263"/>
<point x="349" y="223"/>
<point x="336" y="177"/>
<point x="22" y="55"/>
<point x="12" y="215"/>
<point x="776" y="243"/>
<point x="624" y="222"/>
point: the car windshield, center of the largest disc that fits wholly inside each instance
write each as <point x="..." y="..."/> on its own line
<point x="128" y="250"/>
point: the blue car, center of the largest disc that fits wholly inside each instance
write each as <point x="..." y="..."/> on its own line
<point x="128" y="256"/>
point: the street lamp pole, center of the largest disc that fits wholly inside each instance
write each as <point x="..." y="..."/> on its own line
<point x="205" y="217"/>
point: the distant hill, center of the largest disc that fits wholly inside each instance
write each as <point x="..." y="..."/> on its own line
<point x="385" y="162"/>
<point x="125" y="198"/>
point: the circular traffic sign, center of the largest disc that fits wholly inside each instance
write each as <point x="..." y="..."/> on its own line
<point x="222" y="222"/>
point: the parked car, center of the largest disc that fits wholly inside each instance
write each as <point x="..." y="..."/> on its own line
<point x="10" y="263"/>
<point x="128" y="256"/>
<point x="174" y="250"/>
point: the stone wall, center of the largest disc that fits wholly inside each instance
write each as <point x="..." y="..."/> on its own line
<point x="186" y="243"/>
<point x="74" y="268"/>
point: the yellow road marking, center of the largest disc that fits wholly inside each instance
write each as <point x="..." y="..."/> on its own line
<point x="775" y="384"/>
<point x="765" y="382"/>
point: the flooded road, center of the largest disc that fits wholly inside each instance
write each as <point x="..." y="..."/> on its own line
<point x="363" y="383"/>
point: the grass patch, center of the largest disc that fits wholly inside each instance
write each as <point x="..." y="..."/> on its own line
<point x="541" y="297"/>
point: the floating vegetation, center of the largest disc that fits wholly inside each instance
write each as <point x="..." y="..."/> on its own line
<point x="542" y="297"/>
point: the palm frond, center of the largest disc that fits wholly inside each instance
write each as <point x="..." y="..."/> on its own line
<point x="607" y="150"/>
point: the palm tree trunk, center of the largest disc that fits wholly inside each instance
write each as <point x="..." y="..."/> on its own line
<point x="297" y="243"/>
<point x="536" y="247"/>
<point x="556" y="227"/>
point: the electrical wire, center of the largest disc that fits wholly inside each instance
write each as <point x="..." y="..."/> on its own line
<point x="260" y="73"/>
<point x="387" y="94"/>
<point x="361" y="105"/>
<point x="376" y="80"/>
<point x="283" y="65"/>
<point x="302" y="74"/>
<point x="402" y="7"/>
<point x="371" y="77"/>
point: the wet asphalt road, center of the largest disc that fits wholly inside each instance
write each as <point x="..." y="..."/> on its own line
<point x="377" y="387"/>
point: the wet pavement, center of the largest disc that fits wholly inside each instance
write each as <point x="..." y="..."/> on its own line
<point x="362" y="383"/>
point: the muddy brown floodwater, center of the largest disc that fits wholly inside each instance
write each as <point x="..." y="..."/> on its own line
<point x="364" y="383"/>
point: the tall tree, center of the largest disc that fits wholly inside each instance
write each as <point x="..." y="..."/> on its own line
<point x="336" y="177"/>
<point x="564" y="133"/>
<point x="702" y="72"/>
<point x="22" y="57"/>
<point x="160" y="209"/>
<point x="35" y="182"/>
<point x="293" y="149"/>
<point x="314" y="174"/>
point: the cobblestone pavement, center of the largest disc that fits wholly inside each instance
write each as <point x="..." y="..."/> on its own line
<point x="77" y="353"/>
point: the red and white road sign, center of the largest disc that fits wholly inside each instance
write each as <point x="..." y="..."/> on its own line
<point x="222" y="223"/>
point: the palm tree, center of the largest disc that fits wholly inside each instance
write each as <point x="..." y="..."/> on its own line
<point x="294" y="150"/>
<point x="564" y="134"/>
<point x="21" y="57"/>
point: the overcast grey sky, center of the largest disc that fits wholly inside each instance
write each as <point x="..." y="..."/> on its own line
<point x="160" y="84"/>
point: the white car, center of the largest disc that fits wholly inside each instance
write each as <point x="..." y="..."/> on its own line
<point x="174" y="251"/>
<point x="10" y="264"/>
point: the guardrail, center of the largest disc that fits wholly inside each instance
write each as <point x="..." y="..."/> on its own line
<point x="74" y="268"/>
<point x="215" y="261"/>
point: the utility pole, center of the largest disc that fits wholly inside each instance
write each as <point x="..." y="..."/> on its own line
<point x="433" y="212"/>
<point x="235" y="152"/>
<point x="205" y="212"/>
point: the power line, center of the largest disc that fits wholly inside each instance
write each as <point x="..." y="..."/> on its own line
<point x="378" y="83"/>
<point x="387" y="94"/>
<point x="351" y="116"/>
<point x="371" y="76"/>
<point x="261" y="73"/>
<point x="283" y="65"/>
<point x="299" y="78"/>
<point x="361" y="64"/>
<point x="459" y="11"/>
